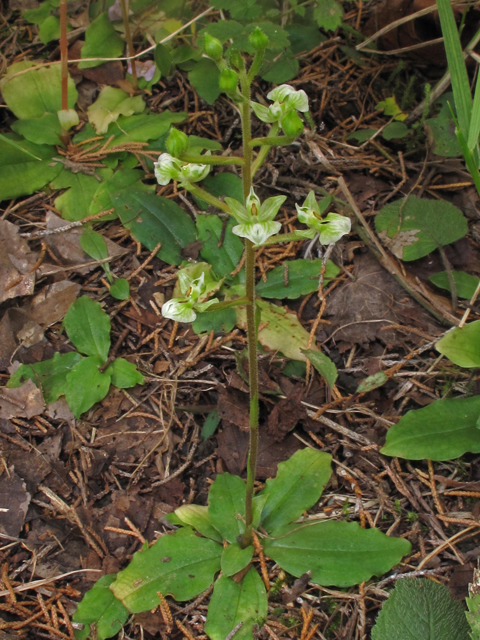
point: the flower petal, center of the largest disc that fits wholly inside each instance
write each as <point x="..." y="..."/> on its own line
<point x="167" y="168"/>
<point x="333" y="227"/>
<point x="253" y="201"/>
<point x="179" y="310"/>
<point x="262" y="113"/>
<point x="298" y="100"/>
<point x="270" y="207"/>
<point x="257" y="232"/>
<point x="311" y="202"/>
<point x="237" y="209"/>
<point x="280" y="93"/>
<point x="192" y="172"/>
<point x="203" y="306"/>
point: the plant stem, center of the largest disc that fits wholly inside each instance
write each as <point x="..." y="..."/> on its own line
<point x="207" y="197"/>
<point x="262" y="154"/>
<point x="197" y="158"/>
<point x="64" y="52"/>
<point x="128" y="37"/>
<point x="277" y="141"/>
<point x="251" y="321"/>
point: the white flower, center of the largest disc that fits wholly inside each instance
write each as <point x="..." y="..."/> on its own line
<point x="331" y="228"/>
<point x="257" y="232"/>
<point x="195" y="292"/>
<point x="288" y="96"/>
<point x="169" y="168"/>
<point x="179" y="310"/>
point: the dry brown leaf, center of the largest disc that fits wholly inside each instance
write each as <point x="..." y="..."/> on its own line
<point x="23" y="402"/>
<point x="16" y="262"/>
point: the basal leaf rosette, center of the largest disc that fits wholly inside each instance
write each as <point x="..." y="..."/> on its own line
<point x="286" y="102"/>
<point x="195" y="286"/>
<point x="169" y="168"/>
<point x="255" y="218"/>
<point x="330" y="228"/>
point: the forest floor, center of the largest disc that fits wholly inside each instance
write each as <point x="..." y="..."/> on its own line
<point x="83" y="494"/>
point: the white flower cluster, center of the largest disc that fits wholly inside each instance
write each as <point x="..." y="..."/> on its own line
<point x="255" y="218"/>
<point x="169" y="168"/>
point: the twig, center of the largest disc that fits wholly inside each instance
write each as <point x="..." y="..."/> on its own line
<point x="67" y="227"/>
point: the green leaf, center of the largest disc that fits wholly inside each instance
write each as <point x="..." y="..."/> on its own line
<point x="223" y="259"/>
<point x="226" y="505"/>
<point x="121" y="179"/>
<point x="473" y="614"/>
<point x="234" y="558"/>
<point x="281" y="70"/>
<point x="197" y="144"/>
<point x="216" y="321"/>
<point x="322" y="363"/>
<point x="93" y="243"/>
<point x="153" y="219"/>
<point x="361" y="135"/>
<point x="395" y="131"/>
<point x="441" y="130"/>
<point x="222" y="184"/>
<point x="300" y="278"/>
<point x="86" y="385"/>
<point x="44" y="130"/>
<point x="179" y="564"/>
<point x="465" y="284"/>
<point x="303" y="37"/>
<point x="124" y="374"/>
<point x="40" y="13"/>
<point x="100" y="608"/>
<point x="22" y="175"/>
<point x="337" y="553"/>
<point x="110" y="104"/>
<point x="143" y="127"/>
<point x="197" y="517"/>
<point x="75" y="202"/>
<point x="420" y="610"/>
<point x="297" y="486"/>
<point x="443" y="430"/>
<point x="101" y="41"/>
<point x="233" y="603"/>
<point x="88" y="327"/>
<point x="49" y="375"/>
<point x="372" y="382"/>
<point x="204" y="77"/>
<point x="163" y="59"/>
<point x="49" y="29"/>
<point x="224" y="30"/>
<point x="412" y="227"/>
<point x="328" y="14"/>
<point x="462" y="345"/>
<point x="210" y="425"/>
<point x="31" y="94"/>
<point x="281" y="330"/>
<point x="120" y="289"/>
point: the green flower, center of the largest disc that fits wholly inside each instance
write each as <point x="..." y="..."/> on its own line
<point x="255" y="218"/>
<point x="286" y="102"/>
<point x="196" y="286"/>
<point x="169" y="168"/>
<point x="331" y="228"/>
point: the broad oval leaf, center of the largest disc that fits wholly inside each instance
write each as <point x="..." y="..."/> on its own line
<point x="444" y="430"/>
<point x="153" y="219"/>
<point x="204" y="77"/>
<point x="465" y="284"/>
<point x="232" y="603"/>
<point x="298" y="278"/>
<point x="322" y="363"/>
<point x="110" y="104"/>
<point x="421" y="610"/>
<point x="74" y="203"/>
<point x="297" y="486"/>
<point x="120" y="289"/>
<point x="124" y="374"/>
<point x="372" y="382"/>
<point x="234" y="558"/>
<point x="462" y="345"/>
<point x="25" y="167"/>
<point x="280" y="330"/>
<point x="99" y="607"/>
<point x="337" y="553"/>
<point x="49" y="375"/>
<point x="88" y="327"/>
<point x="197" y="517"/>
<point x="101" y="41"/>
<point x="180" y="564"/>
<point x="44" y="130"/>
<point x="86" y="385"/>
<point x="226" y="258"/>
<point x="226" y="505"/>
<point x="413" y="227"/>
<point x="93" y="243"/>
<point x="32" y="93"/>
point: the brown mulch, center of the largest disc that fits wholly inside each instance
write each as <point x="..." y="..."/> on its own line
<point x="87" y="493"/>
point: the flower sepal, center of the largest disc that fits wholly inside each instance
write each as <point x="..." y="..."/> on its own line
<point x="330" y="228"/>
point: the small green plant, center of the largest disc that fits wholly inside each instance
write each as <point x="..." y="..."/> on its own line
<point x="221" y="537"/>
<point x="83" y="376"/>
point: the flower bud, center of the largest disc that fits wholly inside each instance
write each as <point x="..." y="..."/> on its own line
<point x="213" y="47"/>
<point x="228" y="81"/>
<point x="177" y="143"/>
<point x="236" y="59"/>
<point x="68" y="118"/>
<point x="258" y="39"/>
<point x="291" y="124"/>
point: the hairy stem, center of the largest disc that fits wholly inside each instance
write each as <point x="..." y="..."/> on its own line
<point x="207" y="197"/>
<point x="64" y="52"/>
<point x="197" y="158"/>
<point x="251" y="322"/>
<point x="262" y="154"/>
